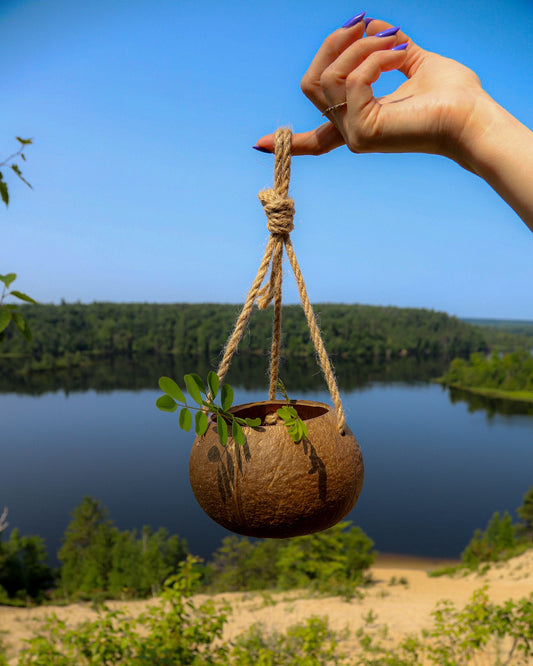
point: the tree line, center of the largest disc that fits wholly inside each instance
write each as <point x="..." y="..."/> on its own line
<point x="508" y="373"/>
<point x="77" y="331"/>
<point x="98" y="561"/>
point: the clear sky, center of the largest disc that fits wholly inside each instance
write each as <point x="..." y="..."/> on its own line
<point x="143" y="114"/>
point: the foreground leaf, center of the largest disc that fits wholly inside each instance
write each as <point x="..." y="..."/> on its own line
<point x="237" y="433"/>
<point x="200" y="423"/>
<point x="222" y="428"/>
<point x="8" y="279"/>
<point x="226" y="397"/>
<point x="5" y="318"/>
<point x="213" y="382"/>
<point x="166" y="404"/>
<point x="169" y="386"/>
<point x="22" y="297"/>
<point x="185" y="419"/>
<point x="193" y="388"/>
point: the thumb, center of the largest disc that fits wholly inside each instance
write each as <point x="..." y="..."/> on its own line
<point x="316" y="142"/>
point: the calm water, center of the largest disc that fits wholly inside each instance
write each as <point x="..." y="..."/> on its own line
<point x="435" y="469"/>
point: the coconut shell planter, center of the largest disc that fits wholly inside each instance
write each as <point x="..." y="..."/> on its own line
<point x="290" y="467"/>
<point x="272" y="486"/>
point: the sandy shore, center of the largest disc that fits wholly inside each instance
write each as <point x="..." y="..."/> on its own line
<point x="405" y="607"/>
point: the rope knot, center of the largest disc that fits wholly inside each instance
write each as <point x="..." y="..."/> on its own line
<point x="279" y="211"/>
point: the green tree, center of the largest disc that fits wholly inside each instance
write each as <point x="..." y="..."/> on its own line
<point x="86" y="550"/>
<point x="24" y="572"/>
<point x="496" y="542"/>
<point x="525" y="513"/>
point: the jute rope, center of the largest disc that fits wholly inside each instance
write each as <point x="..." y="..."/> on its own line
<point x="279" y="209"/>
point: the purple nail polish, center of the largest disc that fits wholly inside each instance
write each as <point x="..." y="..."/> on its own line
<point x="262" y="150"/>
<point x="355" y="19"/>
<point x="367" y="21"/>
<point x="387" y="33"/>
<point x="400" y="47"/>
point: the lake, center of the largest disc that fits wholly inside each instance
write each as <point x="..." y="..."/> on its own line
<point x="436" y="465"/>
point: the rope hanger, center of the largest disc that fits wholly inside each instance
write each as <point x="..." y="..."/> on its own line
<point x="279" y="209"/>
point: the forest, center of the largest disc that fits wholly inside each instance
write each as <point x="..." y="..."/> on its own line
<point x="98" y="561"/>
<point x="500" y="375"/>
<point x="72" y="334"/>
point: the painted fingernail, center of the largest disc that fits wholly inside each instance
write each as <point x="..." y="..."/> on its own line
<point x="262" y="150"/>
<point x="400" y="47"/>
<point x="355" y="19"/>
<point x="387" y="33"/>
<point x="367" y="21"/>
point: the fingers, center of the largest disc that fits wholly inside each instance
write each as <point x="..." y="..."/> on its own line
<point x="413" y="52"/>
<point x="330" y="50"/>
<point x="319" y="141"/>
<point x="333" y="78"/>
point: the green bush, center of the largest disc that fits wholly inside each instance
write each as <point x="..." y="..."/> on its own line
<point x="24" y="573"/>
<point x="331" y="561"/>
<point x="497" y="542"/>
<point x="171" y="632"/>
<point x="498" y="634"/>
<point x="308" y="644"/>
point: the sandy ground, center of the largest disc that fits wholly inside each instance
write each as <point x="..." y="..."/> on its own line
<point x="405" y="607"/>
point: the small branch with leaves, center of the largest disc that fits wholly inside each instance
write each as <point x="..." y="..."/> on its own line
<point x="204" y="396"/>
<point x="9" y="311"/>
<point x="8" y="162"/>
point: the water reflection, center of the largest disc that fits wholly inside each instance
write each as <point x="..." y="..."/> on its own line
<point x="491" y="406"/>
<point x="300" y="375"/>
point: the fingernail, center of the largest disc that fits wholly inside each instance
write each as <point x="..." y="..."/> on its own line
<point x="262" y="150"/>
<point x="400" y="47"/>
<point x="355" y="19"/>
<point x="367" y="21"/>
<point x="387" y="33"/>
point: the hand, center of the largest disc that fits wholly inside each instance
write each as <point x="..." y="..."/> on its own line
<point x="433" y="111"/>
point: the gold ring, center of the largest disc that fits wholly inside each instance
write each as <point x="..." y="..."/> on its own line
<point x="334" y="107"/>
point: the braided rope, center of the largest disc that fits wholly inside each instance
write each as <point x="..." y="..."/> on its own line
<point x="279" y="209"/>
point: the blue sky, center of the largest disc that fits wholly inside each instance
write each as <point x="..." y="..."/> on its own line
<point x="143" y="114"/>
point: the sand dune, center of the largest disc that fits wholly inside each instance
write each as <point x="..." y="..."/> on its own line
<point x="405" y="607"/>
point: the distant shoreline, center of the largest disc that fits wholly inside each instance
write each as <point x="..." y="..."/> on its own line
<point x="515" y="396"/>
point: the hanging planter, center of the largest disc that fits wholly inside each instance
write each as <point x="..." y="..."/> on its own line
<point x="272" y="486"/>
<point x="278" y="468"/>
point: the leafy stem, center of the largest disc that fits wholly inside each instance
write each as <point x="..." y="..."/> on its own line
<point x="203" y="402"/>
<point x="296" y="427"/>
<point x="204" y="397"/>
<point x="9" y="311"/>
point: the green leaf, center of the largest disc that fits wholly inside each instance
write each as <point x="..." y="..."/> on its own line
<point x="222" y="428"/>
<point x="200" y="423"/>
<point x="286" y="412"/>
<point x="213" y="382"/>
<point x="185" y="419"/>
<point x="4" y="193"/>
<point x="21" y="324"/>
<point x="199" y="381"/>
<point x="226" y="397"/>
<point x="237" y="433"/>
<point x="170" y="387"/>
<point x="24" y="142"/>
<point x="166" y="404"/>
<point x="23" y="297"/>
<point x="15" y="168"/>
<point x="5" y="318"/>
<point x="193" y="389"/>
<point x="253" y="423"/>
<point x="8" y="279"/>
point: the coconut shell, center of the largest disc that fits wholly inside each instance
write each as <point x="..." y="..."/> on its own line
<point x="272" y="486"/>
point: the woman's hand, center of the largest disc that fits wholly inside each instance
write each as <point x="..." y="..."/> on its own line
<point x="441" y="108"/>
<point x="430" y="112"/>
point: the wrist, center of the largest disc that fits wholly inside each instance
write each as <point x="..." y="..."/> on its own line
<point x="499" y="148"/>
